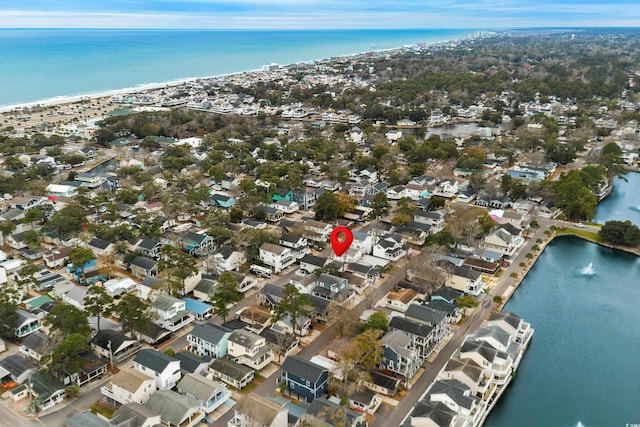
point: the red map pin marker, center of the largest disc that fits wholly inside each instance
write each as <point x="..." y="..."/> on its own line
<point x="341" y="239"/>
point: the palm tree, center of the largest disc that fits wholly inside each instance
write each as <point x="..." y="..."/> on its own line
<point x="514" y="276"/>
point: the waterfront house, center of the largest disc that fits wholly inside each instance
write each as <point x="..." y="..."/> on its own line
<point x="175" y="409"/>
<point x="457" y="397"/>
<point x="474" y="376"/>
<point x="255" y="410"/>
<point x="210" y="394"/>
<point x="498" y="363"/>
<point x="399" y="355"/>
<point x="304" y="379"/>
<point x="170" y="313"/>
<point x="429" y="413"/>
<point x="112" y="345"/>
<point x="165" y="369"/>
<point x="232" y="373"/>
<point x="514" y="325"/>
<point x="129" y="386"/>
<point x="209" y="339"/>
<point x="249" y="349"/>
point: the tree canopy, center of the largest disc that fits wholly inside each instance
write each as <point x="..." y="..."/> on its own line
<point x="620" y="233"/>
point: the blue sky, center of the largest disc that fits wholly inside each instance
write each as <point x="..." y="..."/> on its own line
<point x="303" y="14"/>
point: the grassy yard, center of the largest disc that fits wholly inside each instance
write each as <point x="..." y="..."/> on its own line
<point x="103" y="408"/>
<point x="589" y="235"/>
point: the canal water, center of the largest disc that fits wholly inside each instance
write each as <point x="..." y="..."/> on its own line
<point x="583" y="365"/>
<point x="624" y="201"/>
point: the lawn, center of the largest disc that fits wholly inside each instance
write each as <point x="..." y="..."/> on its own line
<point x="589" y="235"/>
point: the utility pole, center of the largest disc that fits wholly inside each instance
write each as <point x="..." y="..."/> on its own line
<point x="110" y="354"/>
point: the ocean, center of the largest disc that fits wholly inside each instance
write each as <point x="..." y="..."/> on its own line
<point x="45" y="65"/>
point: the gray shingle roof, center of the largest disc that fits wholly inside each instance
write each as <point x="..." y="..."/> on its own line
<point x="231" y="369"/>
<point x="172" y="407"/>
<point x="199" y="387"/>
<point x="210" y="332"/>
<point x="153" y="359"/>
<point x="425" y="314"/>
<point x="302" y="368"/>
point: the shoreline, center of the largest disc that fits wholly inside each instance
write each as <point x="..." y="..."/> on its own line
<point x="60" y="100"/>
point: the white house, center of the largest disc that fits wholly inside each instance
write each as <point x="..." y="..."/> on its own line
<point x="447" y="188"/>
<point x="464" y="279"/>
<point x="390" y="247"/>
<point x="165" y="369"/>
<point x="253" y="409"/>
<point x="505" y="239"/>
<point x="249" y="349"/>
<point x="129" y="386"/>
<point x="276" y="256"/>
<point x="171" y="313"/>
<point x="210" y="394"/>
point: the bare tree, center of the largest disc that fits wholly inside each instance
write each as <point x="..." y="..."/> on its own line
<point x="426" y="273"/>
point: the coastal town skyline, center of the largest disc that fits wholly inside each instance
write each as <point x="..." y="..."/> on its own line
<point x="317" y="14"/>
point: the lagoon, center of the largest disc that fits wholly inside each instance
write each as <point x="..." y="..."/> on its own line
<point x="624" y="201"/>
<point x="582" y="364"/>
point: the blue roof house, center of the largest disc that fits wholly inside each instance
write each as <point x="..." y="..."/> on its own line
<point x="304" y="379"/>
<point x="201" y="310"/>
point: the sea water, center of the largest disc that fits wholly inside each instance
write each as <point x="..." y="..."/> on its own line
<point x="38" y="65"/>
<point x="582" y="364"/>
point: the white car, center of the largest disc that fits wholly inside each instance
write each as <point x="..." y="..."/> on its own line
<point x="580" y="225"/>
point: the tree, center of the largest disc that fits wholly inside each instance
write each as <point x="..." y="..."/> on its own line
<point x="177" y="265"/>
<point x="514" y="276"/>
<point x="438" y="202"/>
<point x="66" y="320"/>
<point x="98" y="303"/>
<point x="293" y="305"/>
<point x="466" y="301"/>
<point x="9" y="299"/>
<point x="404" y="211"/>
<point x="67" y="357"/>
<point x="7" y="228"/>
<point x="341" y="319"/>
<point x="379" y="206"/>
<point x="79" y="258"/>
<point x="26" y="274"/>
<point x="32" y="238"/>
<point x="497" y="299"/>
<point x="620" y="233"/>
<point x="368" y="348"/>
<point x="67" y="221"/>
<point x="225" y="293"/>
<point x="132" y="312"/>
<point x="378" y="321"/>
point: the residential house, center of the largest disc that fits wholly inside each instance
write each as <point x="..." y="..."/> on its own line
<point x="170" y="313"/>
<point x="316" y="230"/>
<point x="369" y="273"/>
<point x="310" y="263"/>
<point x="276" y="256"/>
<point x="57" y="257"/>
<point x="229" y="182"/>
<point x="192" y="364"/>
<point x="227" y="258"/>
<point x="505" y="239"/>
<point x="286" y="206"/>
<point x="165" y="369"/>
<point x="150" y="287"/>
<point x="175" y="410"/>
<point x="222" y="200"/>
<point x="447" y="294"/>
<point x="135" y="415"/>
<point x="400" y="299"/>
<point x="18" y="368"/>
<point x="398" y="354"/>
<point x="91" y="368"/>
<point x="390" y="247"/>
<point x="198" y="244"/>
<point x="142" y="267"/>
<point x="46" y="389"/>
<point x="457" y="397"/>
<point x="429" y="413"/>
<point x="36" y="345"/>
<point x="434" y="219"/>
<point x="232" y="373"/>
<point x="249" y="349"/>
<point x="210" y="394"/>
<point x="112" y="345"/>
<point x="428" y="316"/>
<point x="199" y="310"/>
<point x="453" y="312"/>
<point x="298" y="244"/>
<point x="101" y="247"/>
<point x="304" y="379"/>
<point x="26" y="323"/>
<point x="209" y="339"/>
<point x="468" y="372"/>
<point x="255" y="410"/>
<point x="421" y="334"/>
<point x="76" y="296"/>
<point x="149" y="248"/>
<point x="464" y="279"/>
<point x="447" y="188"/>
<point x="514" y="325"/>
<point x="305" y="198"/>
<point x="129" y="386"/>
<point x="363" y="242"/>
<point x="332" y="288"/>
<point x="271" y="213"/>
<point x="498" y="364"/>
<point x="206" y="287"/>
